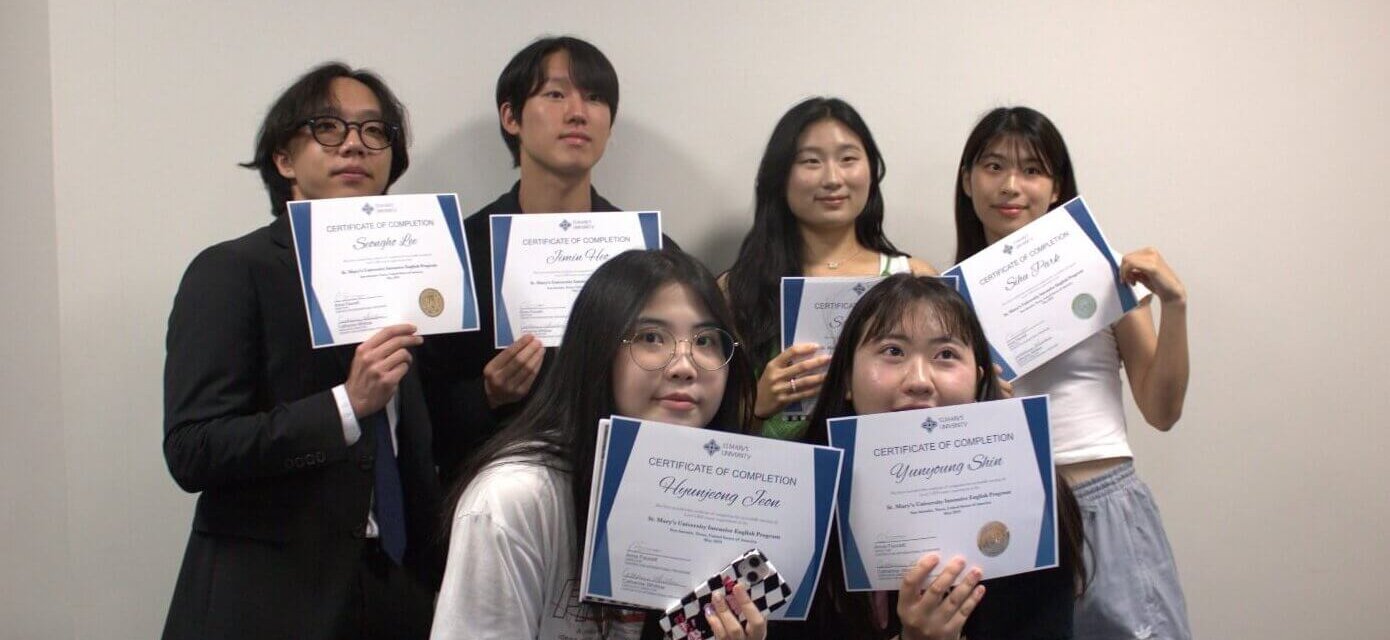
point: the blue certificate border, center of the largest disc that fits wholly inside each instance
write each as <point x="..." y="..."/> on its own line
<point x="301" y="218"/>
<point x="449" y="206"/>
<point x="651" y="229"/>
<point x="843" y="432"/>
<point x="1035" y="410"/>
<point x="622" y="436"/>
<point x="501" y="226"/>
<point x="792" y="289"/>
<point x="827" y="469"/>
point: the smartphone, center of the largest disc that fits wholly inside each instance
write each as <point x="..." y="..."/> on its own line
<point x="686" y="620"/>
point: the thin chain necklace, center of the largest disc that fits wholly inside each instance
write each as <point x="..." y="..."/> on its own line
<point x="834" y="265"/>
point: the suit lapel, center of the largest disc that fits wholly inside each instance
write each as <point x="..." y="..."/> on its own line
<point x="283" y="238"/>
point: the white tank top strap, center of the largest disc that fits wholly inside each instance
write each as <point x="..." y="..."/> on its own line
<point x="889" y="265"/>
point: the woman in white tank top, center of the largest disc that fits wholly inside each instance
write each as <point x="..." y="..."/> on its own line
<point x="1015" y="168"/>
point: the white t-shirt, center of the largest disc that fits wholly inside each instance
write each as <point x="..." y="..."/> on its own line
<point x="510" y="573"/>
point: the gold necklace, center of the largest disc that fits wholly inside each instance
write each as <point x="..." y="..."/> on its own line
<point x="834" y="265"/>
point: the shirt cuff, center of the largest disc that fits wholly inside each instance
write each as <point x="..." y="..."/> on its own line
<point x="351" y="430"/>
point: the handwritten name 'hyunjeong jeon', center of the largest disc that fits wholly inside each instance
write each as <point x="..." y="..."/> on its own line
<point x="677" y="487"/>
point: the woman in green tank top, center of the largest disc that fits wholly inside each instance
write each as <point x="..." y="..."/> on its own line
<point x="818" y="212"/>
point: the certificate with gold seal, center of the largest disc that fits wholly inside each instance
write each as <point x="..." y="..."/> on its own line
<point x="975" y="480"/>
<point x="367" y="263"/>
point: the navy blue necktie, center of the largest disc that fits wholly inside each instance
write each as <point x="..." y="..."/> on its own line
<point x="389" y="503"/>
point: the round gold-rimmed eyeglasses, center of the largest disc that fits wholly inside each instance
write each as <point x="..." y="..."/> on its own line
<point x="654" y="348"/>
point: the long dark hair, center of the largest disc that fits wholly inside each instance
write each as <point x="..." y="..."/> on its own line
<point x="773" y="247"/>
<point x="306" y="98"/>
<point x="1028" y="128"/>
<point x="558" y="427"/>
<point x="878" y="313"/>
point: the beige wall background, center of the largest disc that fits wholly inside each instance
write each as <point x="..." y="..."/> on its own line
<point x="1248" y="142"/>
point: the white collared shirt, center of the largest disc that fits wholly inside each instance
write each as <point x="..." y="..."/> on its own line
<point x="352" y="432"/>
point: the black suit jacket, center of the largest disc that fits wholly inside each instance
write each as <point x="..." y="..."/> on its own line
<point x="251" y="423"/>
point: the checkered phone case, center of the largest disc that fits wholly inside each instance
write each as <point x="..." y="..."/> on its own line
<point x="686" y="620"/>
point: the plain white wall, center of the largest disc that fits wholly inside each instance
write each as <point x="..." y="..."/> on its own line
<point x="1247" y="142"/>
<point x="34" y="600"/>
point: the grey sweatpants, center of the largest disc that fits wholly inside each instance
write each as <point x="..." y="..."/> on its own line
<point x="1134" y="591"/>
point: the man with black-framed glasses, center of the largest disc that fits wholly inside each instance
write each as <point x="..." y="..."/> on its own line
<point x="318" y="491"/>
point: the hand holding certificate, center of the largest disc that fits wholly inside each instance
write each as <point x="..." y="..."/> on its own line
<point x="367" y="263"/>
<point x="813" y="311"/>
<point x="672" y="505"/>
<point x="1044" y="288"/>
<point x="541" y="261"/>
<point x="969" y="479"/>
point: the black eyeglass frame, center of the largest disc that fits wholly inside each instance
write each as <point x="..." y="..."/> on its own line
<point x="393" y="131"/>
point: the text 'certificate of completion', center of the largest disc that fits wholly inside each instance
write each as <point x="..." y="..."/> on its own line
<point x="368" y="263"/>
<point x="1044" y="288"/>
<point x="540" y="261"/>
<point x="672" y="506"/>
<point x="973" y="479"/>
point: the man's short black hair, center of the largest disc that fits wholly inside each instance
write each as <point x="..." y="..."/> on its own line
<point x="310" y="96"/>
<point x="590" y="71"/>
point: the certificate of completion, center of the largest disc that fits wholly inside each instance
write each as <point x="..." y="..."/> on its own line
<point x="671" y="506"/>
<point x="813" y="310"/>
<point x="541" y="261"/>
<point x="973" y="479"/>
<point x="1044" y="288"/>
<point x="367" y="263"/>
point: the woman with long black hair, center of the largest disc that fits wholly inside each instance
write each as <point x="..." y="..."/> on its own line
<point x="648" y="337"/>
<point x="1014" y="168"/>
<point x="818" y="212"/>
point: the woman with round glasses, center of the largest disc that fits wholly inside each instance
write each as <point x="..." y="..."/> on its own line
<point x="521" y="503"/>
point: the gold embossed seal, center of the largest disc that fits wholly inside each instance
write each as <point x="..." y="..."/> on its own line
<point x="432" y="302"/>
<point x="994" y="538"/>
